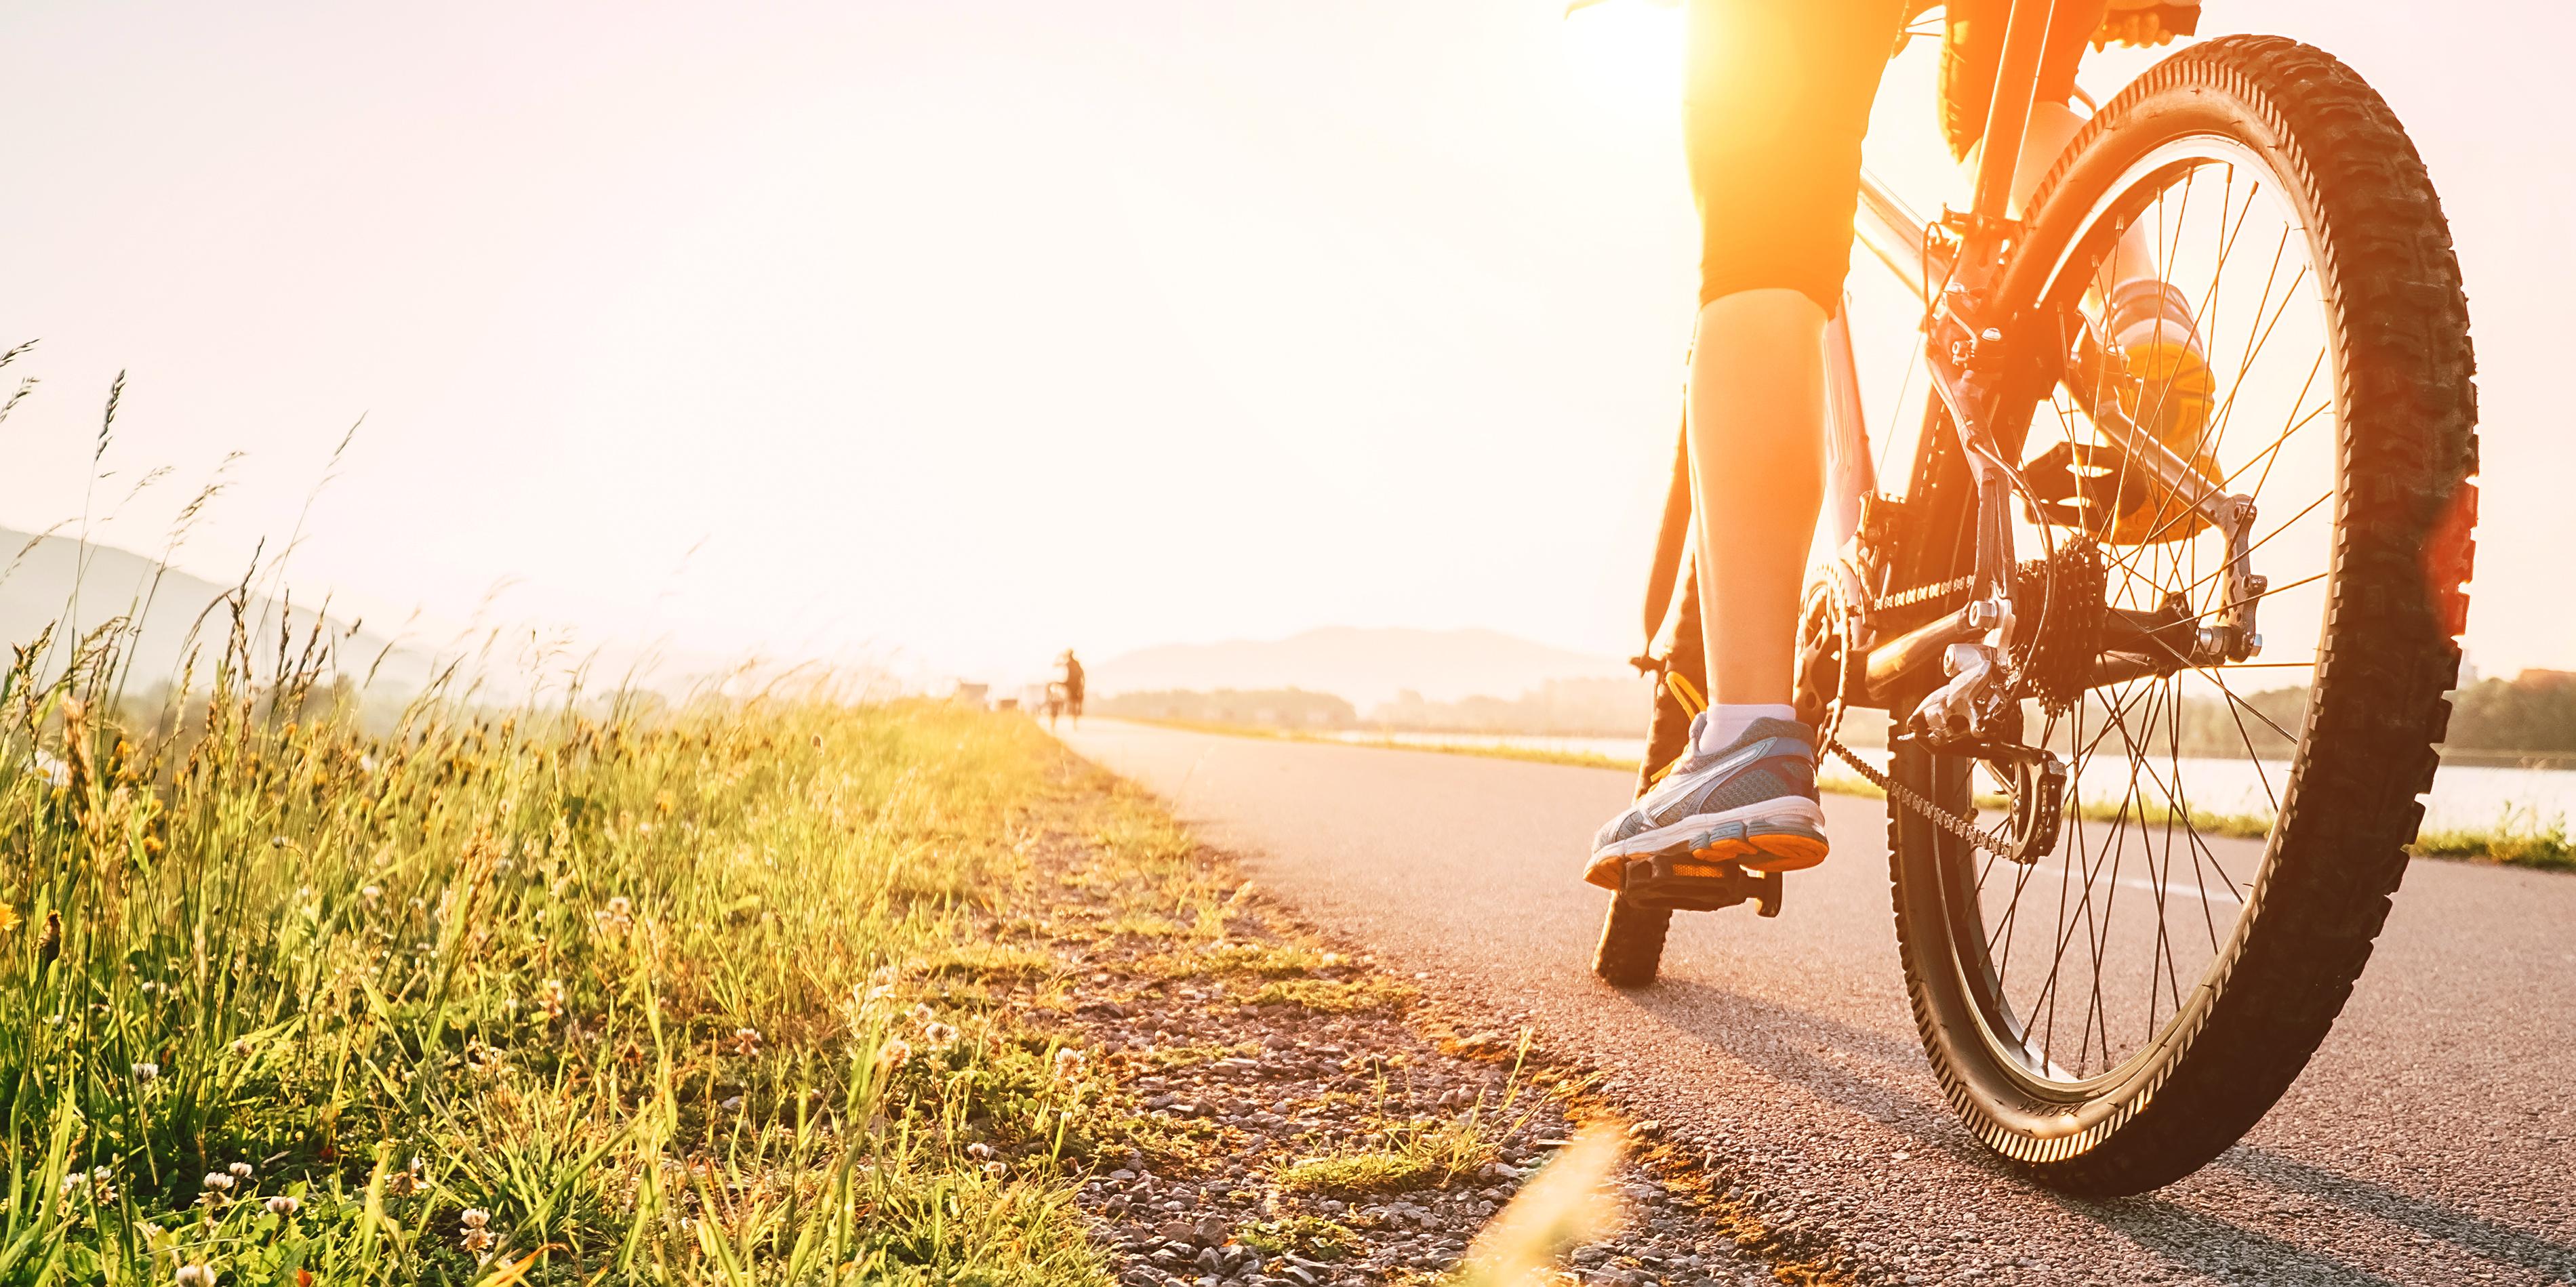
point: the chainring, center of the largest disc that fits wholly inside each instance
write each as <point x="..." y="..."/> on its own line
<point x="1826" y="657"/>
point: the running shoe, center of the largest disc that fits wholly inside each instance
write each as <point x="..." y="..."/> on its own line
<point x="1751" y="802"/>
<point x="2169" y="394"/>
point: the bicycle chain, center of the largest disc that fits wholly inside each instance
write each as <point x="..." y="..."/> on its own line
<point x="1963" y="828"/>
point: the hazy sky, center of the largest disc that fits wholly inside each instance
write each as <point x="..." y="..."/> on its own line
<point x="975" y="330"/>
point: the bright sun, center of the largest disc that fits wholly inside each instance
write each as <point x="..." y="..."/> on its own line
<point x="1628" y="54"/>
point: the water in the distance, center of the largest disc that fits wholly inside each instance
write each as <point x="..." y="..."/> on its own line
<point x="2463" y="795"/>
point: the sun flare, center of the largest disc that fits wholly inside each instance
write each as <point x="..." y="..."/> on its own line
<point x="1627" y="54"/>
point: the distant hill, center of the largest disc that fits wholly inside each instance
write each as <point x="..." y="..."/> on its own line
<point x="39" y="591"/>
<point x="1366" y="667"/>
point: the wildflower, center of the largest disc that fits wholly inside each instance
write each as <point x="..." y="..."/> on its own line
<point x="921" y="1013"/>
<point x="475" y="1237"/>
<point x="219" y="1181"/>
<point x="8" y="918"/>
<point x="241" y="1169"/>
<point x="372" y="892"/>
<point x="196" y="1276"/>
<point x="979" y="1150"/>
<point x="282" y="1205"/>
<point x="746" y="1041"/>
<point x="996" y="1170"/>
<point x="1068" y="1064"/>
<point x="894" y="1054"/>
<point x="277" y="842"/>
<point x="616" y="917"/>
<point x="939" y="1034"/>
<point x="241" y="1047"/>
<point x="554" y="1003"/>
<point x="146" y="1071"/>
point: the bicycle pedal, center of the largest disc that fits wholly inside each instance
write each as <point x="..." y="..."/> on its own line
<point x="1680" y="882"/>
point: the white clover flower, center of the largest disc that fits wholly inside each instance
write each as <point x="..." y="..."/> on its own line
<point x="283" y="1205"/>
<point x="894" y="1054"/>
<point x="938" y="1034"/>
<point x="475" y="1218"/>
<point x="372" y="892"/>
<point x="1068" y="1064"/>
<point x="240" y="1168"/>
<point x="997" y="1170"/>
<point x="146" y="1071"/>
<point x="219" y="1181"/>
<point x="921" y="1013"/>
<point x="196" y="1276"/>
<point x="241" y="1047"/>
<point x="746" y="1040"/>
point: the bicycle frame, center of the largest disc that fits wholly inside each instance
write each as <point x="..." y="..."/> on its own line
<point x="1973" y="353"/>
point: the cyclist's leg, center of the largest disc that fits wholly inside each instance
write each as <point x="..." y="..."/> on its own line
<point x="1779" y="97"/>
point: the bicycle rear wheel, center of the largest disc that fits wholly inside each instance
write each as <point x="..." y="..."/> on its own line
<point x="2117" y="1013"/>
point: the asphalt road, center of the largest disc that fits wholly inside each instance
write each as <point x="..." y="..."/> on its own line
<point x="2432" y="1140"/>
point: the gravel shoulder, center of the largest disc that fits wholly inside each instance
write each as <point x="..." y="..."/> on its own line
<point x="1279" y="1109"/>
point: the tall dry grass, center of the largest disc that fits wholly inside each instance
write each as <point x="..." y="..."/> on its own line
<point x="559" y="993"/>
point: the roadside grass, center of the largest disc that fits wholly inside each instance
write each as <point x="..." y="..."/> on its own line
<point x="1332" y="996"/>
<point x="561" y="993"/>
<point x="2518" y="839"/>
<point x="1313" y="1237"/>
<point x="1413" y="1156"/>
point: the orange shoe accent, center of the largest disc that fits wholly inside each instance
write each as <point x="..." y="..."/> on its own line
<point x="1605" y="871"/>
<point x="1766" y="853"/>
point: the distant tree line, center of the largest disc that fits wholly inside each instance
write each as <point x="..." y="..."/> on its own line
<point x="1563" y="707"/>
<point x="1265" y="707"/>
<point x="2534" y="711"/>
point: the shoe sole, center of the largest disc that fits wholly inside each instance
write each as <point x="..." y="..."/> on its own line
<point x="1775" y="835"/>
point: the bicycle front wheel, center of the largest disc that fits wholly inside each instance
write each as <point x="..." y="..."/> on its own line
<point x="2115" y="1014"/>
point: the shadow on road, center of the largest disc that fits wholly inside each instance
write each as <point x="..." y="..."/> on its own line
<point x="2501" y="1243"/>
<point x="1885" y="1080"/>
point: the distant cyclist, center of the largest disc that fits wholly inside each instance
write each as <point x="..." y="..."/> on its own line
<point x="1778" y="98"/>
<point x="1071" y="682"/>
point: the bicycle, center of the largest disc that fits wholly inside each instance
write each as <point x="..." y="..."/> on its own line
<point x="2106" y="1044"/>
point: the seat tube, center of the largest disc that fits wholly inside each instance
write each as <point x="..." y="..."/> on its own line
<point x="2008" y="105"/>
<point x="1849" y="472"/>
